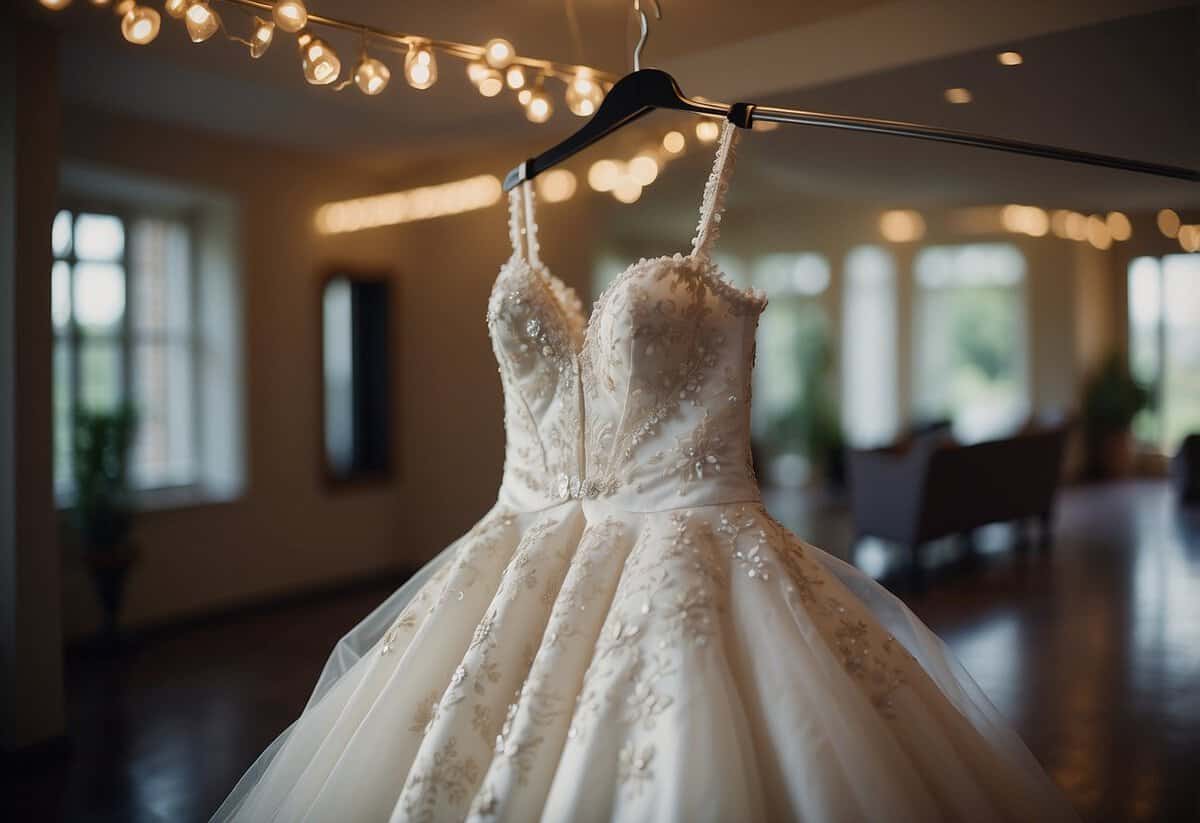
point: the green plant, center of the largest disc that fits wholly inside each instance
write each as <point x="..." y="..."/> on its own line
<point x="1112" y="397"/>
<point x="103" y="511"/>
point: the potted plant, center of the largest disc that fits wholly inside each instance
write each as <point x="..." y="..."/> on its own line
<point x="1111" y="399"/>
<point x="103" y="511"/>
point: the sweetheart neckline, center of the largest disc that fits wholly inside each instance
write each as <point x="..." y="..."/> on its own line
<point x="714" y="279"/>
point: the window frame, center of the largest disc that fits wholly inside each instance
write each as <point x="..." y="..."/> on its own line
<point x="127" y="338"/>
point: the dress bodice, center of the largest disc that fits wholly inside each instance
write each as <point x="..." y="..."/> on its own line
<point x="647" y="405"/>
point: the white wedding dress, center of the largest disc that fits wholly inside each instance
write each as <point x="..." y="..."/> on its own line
<point x="628" y="635"/>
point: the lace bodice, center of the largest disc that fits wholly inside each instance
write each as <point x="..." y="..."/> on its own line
<point x="647" y="405"/>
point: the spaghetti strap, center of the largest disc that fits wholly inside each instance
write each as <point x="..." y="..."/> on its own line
<point x="522" y="227"/>
<point x="532" y="248"/>
<point x="714" y="194"/>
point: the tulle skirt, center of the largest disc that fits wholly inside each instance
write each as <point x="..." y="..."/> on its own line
<point x="702" y="664"/>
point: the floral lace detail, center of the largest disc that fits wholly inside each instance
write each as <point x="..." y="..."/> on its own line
<point x="442" y="783"/>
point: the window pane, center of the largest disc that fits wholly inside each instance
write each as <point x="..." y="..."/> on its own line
<point x="1181" y="378"/>
<point x="806" y="274"/>
<point x="99" y="237"/>
<point x="160" y="268"/>
<point x="869" y="378"/>
<point x="60" y="234"/>
<point x="60" y="295"/>
<point x="100" y="371"/>
<point x="99" y="296"/>
<point x="63" y="413"/>
<point x="164" y="453"/>
<point x="970" y="338"/>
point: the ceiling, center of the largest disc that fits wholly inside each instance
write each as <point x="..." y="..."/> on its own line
<point x="1101" y="75"/>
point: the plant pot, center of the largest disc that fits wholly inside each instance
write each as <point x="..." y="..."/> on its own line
<point x="110" y="571"/>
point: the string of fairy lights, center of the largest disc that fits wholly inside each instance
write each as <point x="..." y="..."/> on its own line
<point x="492" y="67"/>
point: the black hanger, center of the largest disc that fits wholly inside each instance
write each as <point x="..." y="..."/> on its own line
<point x="639" y="93"/>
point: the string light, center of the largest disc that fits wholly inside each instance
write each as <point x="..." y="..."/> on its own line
<point x="515" y="77"/>
<point x="491" y="83"/>
<point x="958" y="96"/>
<point x="1168" y="223"/>
<point x="604" y="174"/>
<point x="584" y="94"/>
<point x="498" y="53"/>
<point x="420" y="66"/>
<point x="627" y="190"/>
<point x="490" y="67"/>
<point x="1189" y="238"/>
<point x="901" y="225"/>
<point x="372" y="76"/>
<point x="673" y="142"/>
<point x="1118" y="226"/>
<point x="707" y="131"/>
<point x="556" y="185"/>
<point x="1028" y="220"/>
<point x="643" y="169"/>
<point x="290" y="15"/>
<point x="1097" y="232"/>
<point x="140" y="25"/>
<point x="201" y="21"/>
<point x="476" y="71"/>
<point x="539" y="108"/>
<point x="320" y="62"/>
<point x="1010" y="58"/>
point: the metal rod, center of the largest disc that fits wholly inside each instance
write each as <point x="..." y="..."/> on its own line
<point x="774" y="114"/>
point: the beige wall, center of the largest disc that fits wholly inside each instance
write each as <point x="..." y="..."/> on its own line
<point x="288" y="531"/>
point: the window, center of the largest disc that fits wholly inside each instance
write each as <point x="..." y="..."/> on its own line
<point x="793" y="413"/>
<point x="122" y="306"/>
<point x="970" y="360"/>
<point x="1164" y="345"/>
<point x="870" y="413"/>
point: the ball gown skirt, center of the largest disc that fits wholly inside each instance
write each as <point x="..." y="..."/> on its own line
<point x="628" y="635"/>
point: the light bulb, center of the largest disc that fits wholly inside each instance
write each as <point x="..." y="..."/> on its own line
<point x="476" y="71"/>
<point x="1010" y="58"/>
<point x="371" y="76"/>
<point x="707" y="131"/>
<point x="1168" y="223"/>
<point x="524" y="96"/>
<point x="202" y="22"/>
<point x="603" y="175"/>
<point x="584" y="94"/>
<point x="140" y="25"/>
<point x="643" y="169"/>
<point x="260" y="41"/>
<point x="958" y="95"/>
<point x="1118" y="226"/>
<point x="673" y="142"/>
<point x="320" y="62"/>
<point x="101" y="3"/>
<point x="420" y="67"/>
<point x="515" y="77"/>
<point x="55" y="5"/>
<point x="556" y="185"/>
<point x="498" y="53"/>
<point x="176" y="8"/>
<point x="490" y="83"/>
<point x="627" y="190"/>
<point x="290" y="15"/>
<point x="538" y="109"/>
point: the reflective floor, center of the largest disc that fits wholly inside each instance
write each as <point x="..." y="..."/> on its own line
<point x="1092" y="651"/>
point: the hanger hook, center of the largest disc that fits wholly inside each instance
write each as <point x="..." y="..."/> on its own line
<point x="641" y="43"/>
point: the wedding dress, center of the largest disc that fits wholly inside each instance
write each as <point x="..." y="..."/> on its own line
<point x="628" y="635"/>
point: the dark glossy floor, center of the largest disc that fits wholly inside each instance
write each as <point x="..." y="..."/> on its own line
<point x="1093" y="652"/>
